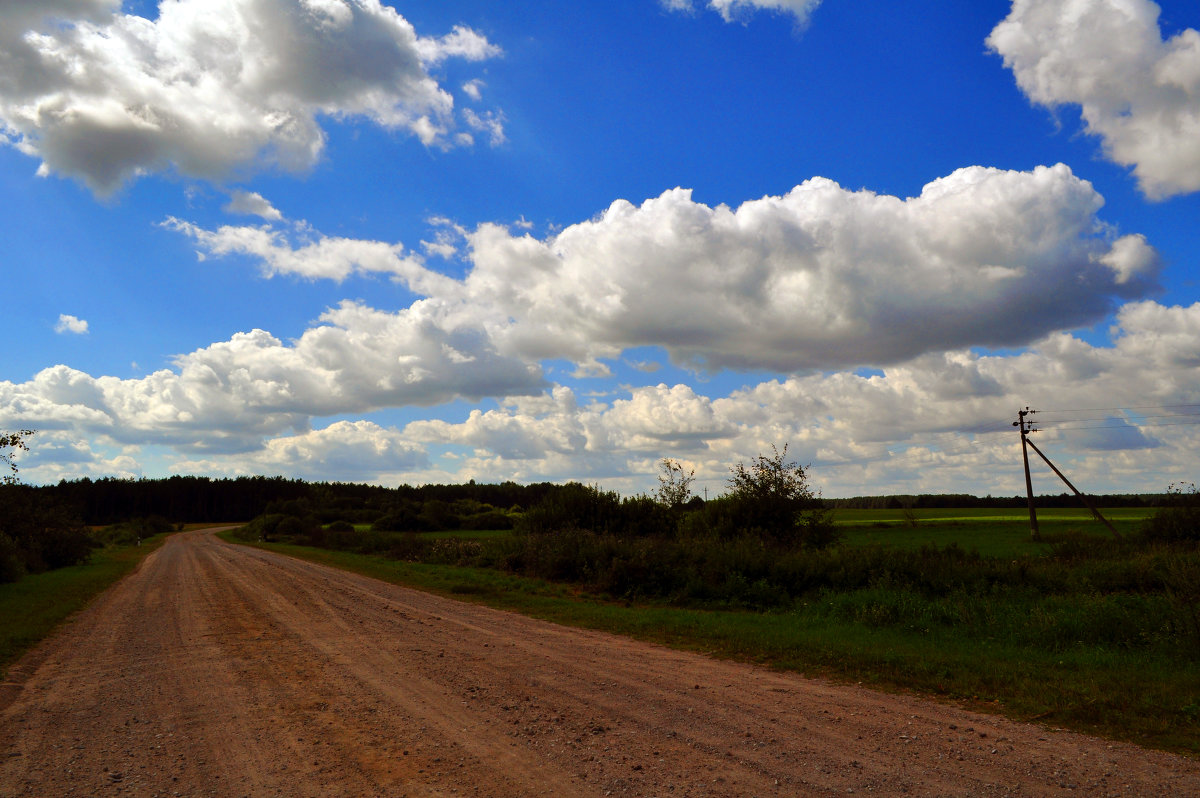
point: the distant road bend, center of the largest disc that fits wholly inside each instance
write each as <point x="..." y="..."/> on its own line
<point x="223" y="670"/>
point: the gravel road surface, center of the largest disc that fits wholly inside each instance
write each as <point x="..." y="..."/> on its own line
<point x="220" y="670"/>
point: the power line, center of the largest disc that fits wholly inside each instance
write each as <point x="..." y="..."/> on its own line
<point x="1111" y="409"/>
<point x="1121" y="424"/>
<point x="1137" y="417"/>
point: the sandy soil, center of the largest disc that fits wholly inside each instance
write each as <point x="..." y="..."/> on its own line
<point x="226" y="671"/>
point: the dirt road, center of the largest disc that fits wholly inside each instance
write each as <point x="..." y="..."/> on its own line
<point x="227" y="671"/>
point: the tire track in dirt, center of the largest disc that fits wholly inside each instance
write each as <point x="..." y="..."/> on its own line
<point x="223" y="670"/>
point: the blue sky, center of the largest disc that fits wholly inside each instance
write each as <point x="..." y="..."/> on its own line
<point x="414" y="242"/>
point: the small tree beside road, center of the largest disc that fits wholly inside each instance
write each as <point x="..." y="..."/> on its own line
<point x="771" y="497"/>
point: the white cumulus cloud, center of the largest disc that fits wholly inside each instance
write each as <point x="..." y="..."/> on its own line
<point x="70" y="324"/>
<point x="733" y="9"/>
<point x="296" y="251"/>
<point x="821" y="277"/>
<point x="1138" y="92"/>
<point x="214" y="86"/>
<point x="251" y="203"/>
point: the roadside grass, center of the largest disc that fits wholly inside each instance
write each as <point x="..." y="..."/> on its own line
<point x="1018" y="661"/>
<point x="34" y="605"/>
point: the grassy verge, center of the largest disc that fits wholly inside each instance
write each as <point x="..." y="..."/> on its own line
<point x="1145" y="697"/>
<point x="33" y="606"/>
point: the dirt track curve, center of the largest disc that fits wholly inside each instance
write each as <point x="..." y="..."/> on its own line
<point x="226" y="671"/>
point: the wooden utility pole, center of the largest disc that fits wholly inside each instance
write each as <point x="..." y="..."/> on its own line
<point x="1081" y="497"/>
<point x="1027" y="427"/>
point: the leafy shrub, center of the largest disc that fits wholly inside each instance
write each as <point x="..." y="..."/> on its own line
<point x="1182" y="585"/>
<point x="1178" y="521"/>
<point x="42" y="534"/>
<point x="332" y="536"/>
<point x="61" y="546"/>
<point x="488" y="519"/>
<point x="771" y="499"/>
<point x="133" y="531"/>
<point x="576" y="507"/>
<point x="261" y="528"/>
<point x="643" y="517"/>
<point x="277" y="526"/>
<point x="403" y="518"/>
<point x="573" y="506"/>
<point x="12" y="566"/>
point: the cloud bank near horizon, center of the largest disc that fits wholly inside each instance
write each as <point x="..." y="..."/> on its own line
<point x="939" y="412"/>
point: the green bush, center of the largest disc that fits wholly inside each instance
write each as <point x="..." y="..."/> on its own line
<point x="769" y="499"/>
<point x="278" y="526"/>
<point x="42" y="534"/>
<point x="1178" y="521"/>
<point x="403" y="518"/>
<point x="12" y="565"/>
<point x="132" y="532"/>
<point x="573" y="506"/>
<point x="1181" y="583"/>
<point x="488" y="519"/>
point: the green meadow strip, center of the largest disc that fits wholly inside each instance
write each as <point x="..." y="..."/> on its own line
<point x="33" y="606"/>
<point x="1139" y="696"/>
<point x="1002" y="536"/>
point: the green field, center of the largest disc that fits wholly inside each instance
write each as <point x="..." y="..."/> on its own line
<point x="996" y="533"/>
<point x="1081" y="514"/>
<point x="991" y="532"/>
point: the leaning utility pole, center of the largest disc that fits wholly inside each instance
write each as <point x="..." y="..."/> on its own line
<point x="1079" y="495"/>
<point x="1027" y="427"/>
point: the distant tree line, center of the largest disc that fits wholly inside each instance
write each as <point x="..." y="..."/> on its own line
<point x="205" y="499"/>
<point x="964" y="501"/>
